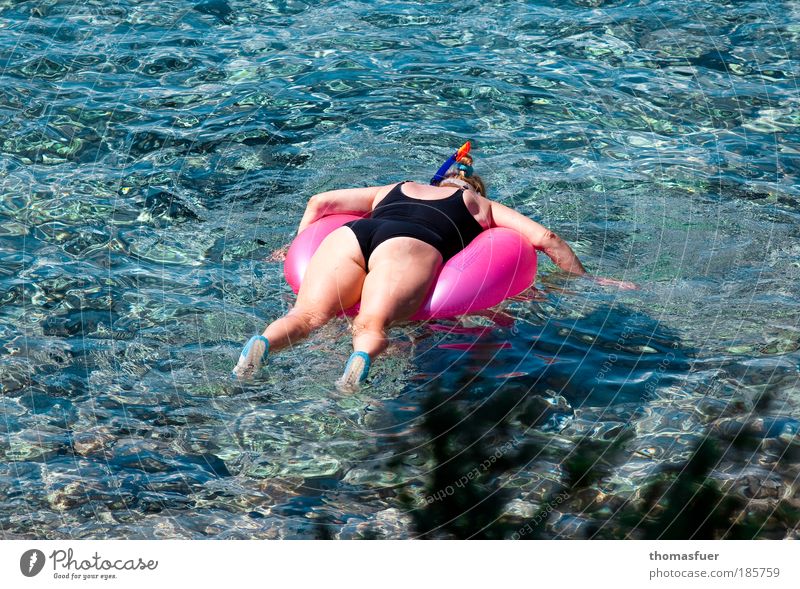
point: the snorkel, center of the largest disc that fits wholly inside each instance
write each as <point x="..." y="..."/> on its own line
<point x="462" y="151"/>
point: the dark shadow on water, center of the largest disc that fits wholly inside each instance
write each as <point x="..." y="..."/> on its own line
<point x="612" y="356"/>
<point x="474" y="448"/>
<point x="478" y="432"/>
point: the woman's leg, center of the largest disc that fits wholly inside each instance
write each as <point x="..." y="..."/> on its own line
<point x="332" y="282"/>
<point x="401" y="271"/>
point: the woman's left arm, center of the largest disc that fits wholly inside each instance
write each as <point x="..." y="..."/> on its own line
<point x="348" y="200"/>
<point x="540" y="237"/>
<point x="551" y="244"/>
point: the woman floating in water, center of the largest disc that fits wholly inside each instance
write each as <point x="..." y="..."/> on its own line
<point x="388" y="260"/>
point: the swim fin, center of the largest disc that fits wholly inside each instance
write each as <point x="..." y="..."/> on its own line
<point x="355" y="372"/>
<point x="252" y="357"/>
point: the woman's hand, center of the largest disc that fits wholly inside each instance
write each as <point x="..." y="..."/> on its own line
<point x="279" y="255"/>
<point x="621" y="284"/>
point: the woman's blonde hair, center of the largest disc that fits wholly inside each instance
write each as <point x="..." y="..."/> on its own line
<point x="473" y="180"/>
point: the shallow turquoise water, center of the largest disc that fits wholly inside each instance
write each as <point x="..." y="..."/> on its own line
<point x="154" y="154"/>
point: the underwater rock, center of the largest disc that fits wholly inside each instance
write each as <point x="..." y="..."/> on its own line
<point x="13" y="378"/>
<point x="92" y="440"/>
<point x="567" y="525"/>
<point x="546" y="413"/>
<point x="218" y="8"/>
<point x="761" y="486"/>
<point x="388" y="523"/>
<point x="163" y="204"/>
<point x="761" y="428"/>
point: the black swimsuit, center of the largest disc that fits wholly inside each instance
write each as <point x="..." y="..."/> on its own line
<point x="444" y="223"/>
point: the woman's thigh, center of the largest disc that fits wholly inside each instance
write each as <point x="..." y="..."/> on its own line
<point x="401" y="271"/>
<point x="335" y="274"/>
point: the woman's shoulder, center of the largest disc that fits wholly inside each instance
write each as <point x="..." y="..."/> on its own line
<point x="383" y="191"/>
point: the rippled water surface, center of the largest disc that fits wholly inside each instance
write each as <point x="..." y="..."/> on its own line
<point x="154" y="154"/>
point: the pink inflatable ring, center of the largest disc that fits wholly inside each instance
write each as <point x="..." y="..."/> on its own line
<point x="498" y="264"/>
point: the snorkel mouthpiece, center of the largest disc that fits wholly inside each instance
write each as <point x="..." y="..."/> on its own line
<point x="462" y="151"/>
<point x="466" y="168"/>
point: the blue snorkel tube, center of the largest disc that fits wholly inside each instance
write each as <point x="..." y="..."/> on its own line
<point x="439" y="176"/>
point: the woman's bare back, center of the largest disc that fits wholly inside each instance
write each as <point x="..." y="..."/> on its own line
<point x="479" y="207"/>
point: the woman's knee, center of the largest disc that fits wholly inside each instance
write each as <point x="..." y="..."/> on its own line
<point x="368" y="323"/>
<point x="310" y="318"/>
<point x="369" y="334"/>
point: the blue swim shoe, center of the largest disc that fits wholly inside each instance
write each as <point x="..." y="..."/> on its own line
<point x="252" y="357"/>
<point x="355" y="372"/>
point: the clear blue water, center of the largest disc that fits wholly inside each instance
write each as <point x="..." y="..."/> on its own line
<point x="154" y="154"/>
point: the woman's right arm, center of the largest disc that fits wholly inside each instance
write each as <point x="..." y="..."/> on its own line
<point x="347" y="200"/>
<point x="540" y="237"/>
